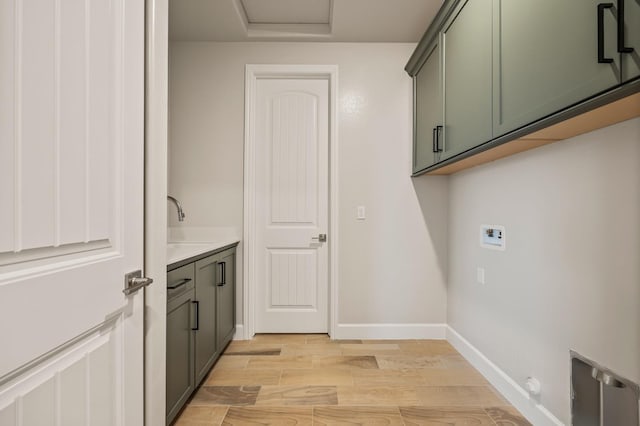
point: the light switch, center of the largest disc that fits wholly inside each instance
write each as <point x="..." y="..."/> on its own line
<point x="361" y="213"/>
<point x="480" y="275"/>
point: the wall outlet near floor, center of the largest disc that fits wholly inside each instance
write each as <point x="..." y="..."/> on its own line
<point x="493" y="237"/>
<point x="362" y="214"/>
<point x="480" y="275"/>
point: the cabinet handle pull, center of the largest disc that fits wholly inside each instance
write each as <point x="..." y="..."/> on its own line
<point x="433" y="140"/>
<point x="179" y="284"/>
<point x="223" y="268"/>
<point x="601" y="8"/>
<point x="197" y="327"/>
<point x="438" y="131"/>
<point x="621" y="47"/>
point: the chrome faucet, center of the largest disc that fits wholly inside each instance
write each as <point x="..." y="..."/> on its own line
<point x="178" y="206"/>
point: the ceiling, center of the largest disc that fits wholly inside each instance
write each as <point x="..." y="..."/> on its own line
<point x="301" y="20"/>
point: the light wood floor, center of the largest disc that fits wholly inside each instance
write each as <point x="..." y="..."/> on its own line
<point x="311" y="380"/>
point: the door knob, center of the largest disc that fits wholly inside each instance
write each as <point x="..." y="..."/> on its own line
<point x="321" y="238"/>
<point x="134" y="281"/>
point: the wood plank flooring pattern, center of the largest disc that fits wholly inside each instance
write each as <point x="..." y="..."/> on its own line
<point x="301" y="379"/>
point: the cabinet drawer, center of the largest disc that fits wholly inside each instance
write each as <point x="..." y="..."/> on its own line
<point x="180" y="280"/>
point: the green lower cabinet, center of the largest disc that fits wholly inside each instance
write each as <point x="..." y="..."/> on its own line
<point x="545" y="57"/>
<point x="226" y="299"/>
<point x="206" y="350"/>
<point x="201" y="315"/>
<point x="180" y="348"/>
<point x="466" y="44"/>
<point x="631" y="59"/>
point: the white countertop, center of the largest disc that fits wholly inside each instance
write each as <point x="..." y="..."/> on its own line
<point x="177" y="251"/>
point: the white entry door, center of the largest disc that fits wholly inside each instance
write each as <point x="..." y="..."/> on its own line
<point x="292" y="195"/>
<point x="71" y="211"/>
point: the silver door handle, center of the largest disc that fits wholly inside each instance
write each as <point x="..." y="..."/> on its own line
<point x="321" y="238"/>
<point x="134" y="281"/>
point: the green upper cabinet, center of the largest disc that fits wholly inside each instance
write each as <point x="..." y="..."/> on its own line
<point x="427" y="111"/>
<point x="490" y="72"/>
<point x="467" y="60"/>
<point x="631" y="21"/>
<point x="545" y="57"/>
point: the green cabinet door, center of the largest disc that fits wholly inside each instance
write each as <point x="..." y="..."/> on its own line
<point x="226" y="309"/>
<point x="467" y="60"/>
<point x="545" y="57"/>
<point x="631" y="59"/>
<point x="180" y="346"/>
<point x="427" y="111"/>
<point x="205" y="335"/>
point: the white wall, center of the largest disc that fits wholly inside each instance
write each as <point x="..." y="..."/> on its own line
<point x="570" y="277"/>
<point x="391" y="265"/>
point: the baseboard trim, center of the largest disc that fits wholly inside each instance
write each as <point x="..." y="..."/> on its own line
<point x="391" y="331"/>
<point x="239" y="335"/>
<point x="535" y="412"/>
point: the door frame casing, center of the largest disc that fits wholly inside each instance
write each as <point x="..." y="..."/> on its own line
<point x="155" y="220"/>
<point x="252" y="74"/>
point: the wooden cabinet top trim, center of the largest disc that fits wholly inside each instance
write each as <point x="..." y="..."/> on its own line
<point x="603" y="116"/>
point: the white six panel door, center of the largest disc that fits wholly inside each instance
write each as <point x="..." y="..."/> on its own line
<point x="292" y="147"/>
<point x="71" y="211"/>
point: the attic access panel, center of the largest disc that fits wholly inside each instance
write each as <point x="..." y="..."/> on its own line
<point x="287" y="11"/>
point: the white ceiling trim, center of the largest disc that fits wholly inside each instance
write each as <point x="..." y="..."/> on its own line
<point x="384" y="21"/>
<point x="287" y="11"/>
<point x="242" y="14"/>
<point x="289" y="30"/>
<point x="284" y="31"/>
